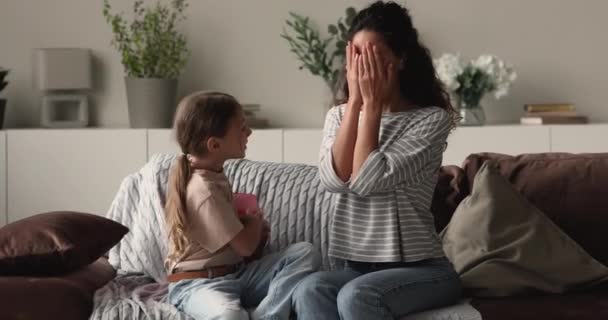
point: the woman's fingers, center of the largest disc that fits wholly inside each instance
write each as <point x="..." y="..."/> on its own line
<point x="379" y="64"/>
<point x="373" y="64"/>
<point x="361" y="65"/>
<point x="370" y="70"/>
<point x="348" y="57"/>
<point x="363" y="77"/>
<point x="390" y="73"/>
<point x="355" y="68"/>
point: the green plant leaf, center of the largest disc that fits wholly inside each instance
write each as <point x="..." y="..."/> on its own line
<point x="150" y="45"/>
<point x="332" y="29"/>
<point x="343" y="28"/>
<point x="316" y="54"/>
<point x="350" y="14"/>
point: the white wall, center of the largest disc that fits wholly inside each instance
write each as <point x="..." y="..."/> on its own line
<point x="559" y="48"/>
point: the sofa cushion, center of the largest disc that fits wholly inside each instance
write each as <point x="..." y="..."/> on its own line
<point x="449" y="192"/>
<point x="501" y="245"/>
<point x="68" y="297"/>
<point x="570" y="189"/>
<point x="56" y="243"/>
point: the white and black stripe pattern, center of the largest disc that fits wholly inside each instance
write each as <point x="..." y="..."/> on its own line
<point x="383" y="215"/>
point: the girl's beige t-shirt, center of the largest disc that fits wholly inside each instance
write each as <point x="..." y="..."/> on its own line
<point x="212" y="222"/>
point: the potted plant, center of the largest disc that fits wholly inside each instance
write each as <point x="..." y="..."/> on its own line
<point x="153" y="53"/>
<point x="317" y="55"/>
<point x="3" y="84"/>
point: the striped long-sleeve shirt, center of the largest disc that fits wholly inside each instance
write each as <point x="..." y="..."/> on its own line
<point x="383" y="214"/>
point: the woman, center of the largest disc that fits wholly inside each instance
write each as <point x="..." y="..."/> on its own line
<point x="381" y="154"/>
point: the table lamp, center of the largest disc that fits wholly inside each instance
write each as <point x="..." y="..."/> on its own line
<point x="64" y="76"/>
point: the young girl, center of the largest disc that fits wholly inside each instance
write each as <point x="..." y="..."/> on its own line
<point x="381" y="154"/>
<point x="207" y="275"/>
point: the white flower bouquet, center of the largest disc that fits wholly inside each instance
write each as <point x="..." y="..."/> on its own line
<point x="471" y="81"/>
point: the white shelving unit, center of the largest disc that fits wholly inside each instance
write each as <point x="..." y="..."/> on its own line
<point x="81" y="169"/>
<point x="264" y="145"/>
<point x="76" y="170"/>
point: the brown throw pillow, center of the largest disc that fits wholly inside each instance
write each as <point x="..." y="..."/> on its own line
<point x="56" y="243"/>
<point x="502" y="245"/>
<point x="66" y="297"/>
<point x="567" y="188"/>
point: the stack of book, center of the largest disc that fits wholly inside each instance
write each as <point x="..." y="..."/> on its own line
<point x="253" y="121"/>
<point x="554" y="113"/>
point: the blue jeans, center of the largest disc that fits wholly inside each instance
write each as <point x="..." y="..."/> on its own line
<point x="266" y="284"/>
<point x="374" y="291"/>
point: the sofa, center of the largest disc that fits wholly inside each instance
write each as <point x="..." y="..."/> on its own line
<point x="68" y="296"/>
<point x="567" y="188"/>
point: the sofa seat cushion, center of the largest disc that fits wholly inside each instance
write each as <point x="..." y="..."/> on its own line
<point x="589" y="305"/>
<point x="68" y="297"/>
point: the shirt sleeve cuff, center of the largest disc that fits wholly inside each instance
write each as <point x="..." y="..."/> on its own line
<point x="328" y="176"/>
<point x="368" y="174"/>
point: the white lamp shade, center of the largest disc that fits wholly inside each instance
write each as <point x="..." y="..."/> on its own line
<point x="63" y="69"/>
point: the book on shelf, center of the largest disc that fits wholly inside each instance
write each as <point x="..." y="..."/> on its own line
<point x="549" y="107"/>
<point x="539" y="120"/>
<point x="251" y="110"/>
<point x="257" y="123"/>
<point x="251" y="107"/>
<point x="552" y="114"/>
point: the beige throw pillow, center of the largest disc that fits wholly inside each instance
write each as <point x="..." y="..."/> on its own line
<point x="502" y="245"/>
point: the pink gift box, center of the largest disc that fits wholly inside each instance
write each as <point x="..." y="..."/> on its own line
<point x="244" y="202"/>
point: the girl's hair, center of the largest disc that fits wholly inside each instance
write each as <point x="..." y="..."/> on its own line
<point x="199" y="116"/>
<point x="418" y="81"/>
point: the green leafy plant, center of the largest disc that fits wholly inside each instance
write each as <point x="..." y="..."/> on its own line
<point x="3" y="83"/>
<point x="316" y="54"/>
<point x="150" y="45"/>
<point x="340" y="32"/>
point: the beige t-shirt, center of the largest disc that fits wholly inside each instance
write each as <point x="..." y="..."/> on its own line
<point x="213" y="223"/>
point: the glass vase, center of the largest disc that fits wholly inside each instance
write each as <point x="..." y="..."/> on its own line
<point x="472" y="116"/>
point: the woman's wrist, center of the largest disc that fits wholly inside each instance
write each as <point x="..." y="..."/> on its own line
<point x="372" y="108"/>
<point x="354" y="102"/>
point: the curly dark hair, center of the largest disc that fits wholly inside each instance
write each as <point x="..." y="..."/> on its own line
<point x="418" y="80"/>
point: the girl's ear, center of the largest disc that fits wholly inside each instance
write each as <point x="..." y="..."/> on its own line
<point x="213" y="144"/>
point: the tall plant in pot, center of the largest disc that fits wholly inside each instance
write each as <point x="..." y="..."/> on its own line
<point x="3" y="84"/>
<point x="153" y="53"/>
